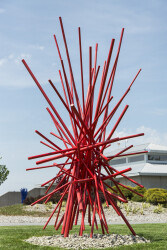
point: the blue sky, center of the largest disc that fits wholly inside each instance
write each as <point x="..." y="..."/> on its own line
<point x="26" y="31"/>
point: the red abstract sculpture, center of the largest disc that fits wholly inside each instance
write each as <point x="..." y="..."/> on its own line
<point x="85" y="168"/>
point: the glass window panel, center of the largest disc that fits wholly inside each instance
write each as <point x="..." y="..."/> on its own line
<point x="163" y="157"/>
<point x="157" y="157"/>
<point x="136" y="158"/>
<point x="118" y="161"/>
<point x="150" y="157"/>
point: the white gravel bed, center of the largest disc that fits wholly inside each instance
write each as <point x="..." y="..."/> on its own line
<point x="135" y="219"/>
<point x="85" y="242"/>
<point x="22" y="220"/>
<point x="144" y="214"/>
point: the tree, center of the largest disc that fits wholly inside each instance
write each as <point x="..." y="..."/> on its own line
<point x="3" y="173"/>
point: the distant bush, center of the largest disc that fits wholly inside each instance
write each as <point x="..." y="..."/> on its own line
<point x="127" y="193"/>
<point x="136" y="197"/>
<point x="54" y="199"/>
<point x="152" y="190"/>
<point x="131" y="195"/>
<point x="28" y="200"/>
<point x="156" y="196"/>
<point x="101" y="196"/>
<point x="39" y="197"/>
<point x="140" y="190"/>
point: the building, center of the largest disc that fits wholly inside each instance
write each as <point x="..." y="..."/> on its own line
<point x="12" y="197"/>
<point x="148" y="169"/>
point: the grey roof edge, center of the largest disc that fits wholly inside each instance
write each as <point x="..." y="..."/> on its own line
<point x="143" y="174"/>
<point x="150" y="147"/>
<point x="154" y="174"/>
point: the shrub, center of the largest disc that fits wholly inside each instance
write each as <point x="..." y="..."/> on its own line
<point x="104" y="205"/>
<point x="28" y="200"/>
<point x="101" y="196"/>
<point x="142" y="211"/>
<point x="127" y="208"/>
<point x="140" y="190"/>
<point x="49" y="205"/>
<point x="136" y="197"/>
<point x="152" y="190"/>
<point x="39" y="197"/>
<point x="156" y="195"/>
<point x="135" y="210"/>
<point x="158" y="209"/>
<point x="127" y="193"/>
<point x="54" y="199"/>
<point x="145" y="205"/>
<point x="152" y="195"/>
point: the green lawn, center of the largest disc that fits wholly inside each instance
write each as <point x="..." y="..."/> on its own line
<point x="19" y="210"/>
<point x="12" y="237"/>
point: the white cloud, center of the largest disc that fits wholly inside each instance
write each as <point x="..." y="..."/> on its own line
<point x="12" y="71"/>
<point x="18" y="59"/>
<point x="151" y="135"/>
<point x="37" y="47"/>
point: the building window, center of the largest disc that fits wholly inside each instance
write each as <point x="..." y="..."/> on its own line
<point x="136" y="158"/>
<point x="157" y="157"/>
<point x="118" y="161"/>
<point x="163" y="157"/>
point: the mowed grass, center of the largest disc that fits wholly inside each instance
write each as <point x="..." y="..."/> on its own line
<point x="13" y="237"/>
<point x="18" y="210"/>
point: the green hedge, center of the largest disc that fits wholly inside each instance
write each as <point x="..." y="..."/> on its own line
<point x="132" y="196"/>
<point x="54" y="199"/>
<point x="152" y="195"/>
<point x="127" y="193"/>
<point x="136" y="197"/>
<point x="156" y="196"/>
